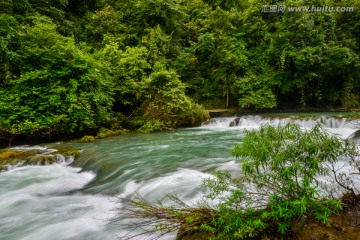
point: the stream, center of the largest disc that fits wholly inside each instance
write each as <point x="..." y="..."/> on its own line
<point x="75" y="201"/>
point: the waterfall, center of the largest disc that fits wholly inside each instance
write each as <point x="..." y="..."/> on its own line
<point x="253" y="121"/>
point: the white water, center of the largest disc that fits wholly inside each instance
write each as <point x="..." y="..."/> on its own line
<point x="27" y="147"/>
<point x="62" y="202"/>
<point x="339" y="126"/>
<point x="37" y="204"/>
<point x="250" y="121"/>
<point x="44" y="202"/>
<point x="189" y="190"/>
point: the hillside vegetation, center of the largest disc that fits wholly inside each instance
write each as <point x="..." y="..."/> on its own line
<point x="70" y="66"/>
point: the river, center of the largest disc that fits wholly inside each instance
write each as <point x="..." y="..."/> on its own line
<point x="75" y="201"/>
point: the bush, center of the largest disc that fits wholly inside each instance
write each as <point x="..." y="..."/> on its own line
<point x="194" y="116"/>
<point x="104" y="133"/>
<point x="87" y="139"/>
<point x="114" y="122"/>
<point x="278" y="190"/>
<point x="280" y="185"/>
<point x="151" y="126"/>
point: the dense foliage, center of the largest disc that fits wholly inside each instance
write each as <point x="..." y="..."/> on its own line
<point x="68" y="66"/>
<point x="282" y="183"/>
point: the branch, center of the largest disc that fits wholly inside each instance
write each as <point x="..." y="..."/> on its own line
<point x="338" y="182"/>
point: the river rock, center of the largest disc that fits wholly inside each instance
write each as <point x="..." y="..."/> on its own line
<point x="235" y="122"/>
<point x="34" y="156"/>
<point x="41" y="159"/>
<point x="355" y="136"/>
<point x="209" y="121"/>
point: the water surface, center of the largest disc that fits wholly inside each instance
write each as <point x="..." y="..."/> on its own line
<point x="74" y="202"/>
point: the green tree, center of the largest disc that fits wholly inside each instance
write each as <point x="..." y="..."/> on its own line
<point x="10" y="41"/>
<point x="58" y="89"/>
<point x="129" y="69"/>
<point x="256" y="90"/>
<point x="104" y="22"/>
<point x="166" y="104"/>
<point x="226" y="53"/>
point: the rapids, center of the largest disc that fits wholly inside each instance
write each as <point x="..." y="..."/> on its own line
<point x="74" y="201"/>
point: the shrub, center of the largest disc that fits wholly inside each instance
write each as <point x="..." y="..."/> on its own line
<point x="280" y="186"/>
<point x="104" y="133"/>
<point x="194" y="116"/>
<point x="87" y="139"/>
<point x="151" y="126"/>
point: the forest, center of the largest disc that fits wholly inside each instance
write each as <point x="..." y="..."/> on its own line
<point x="99" y="66"/>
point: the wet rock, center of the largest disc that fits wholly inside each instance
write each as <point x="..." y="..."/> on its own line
<point x="209" y="121"/>
<point x="355" y="136"/>
<point x="235" y="122"/>
<point x="41" y="160"/>
<point x="22" y="157"/>
<point x="69" y="151"/>
<point x="9" y="157"/>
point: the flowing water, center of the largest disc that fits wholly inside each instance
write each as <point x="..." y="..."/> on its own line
<point x="62" y="201"/>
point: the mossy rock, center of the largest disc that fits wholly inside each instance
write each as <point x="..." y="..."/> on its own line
<point x="15" y="157"/>
<point x="41" y="160"/>
<point x="69" y="151"/>
<point x="10" y="157"/>
<point x="7" y="155"/>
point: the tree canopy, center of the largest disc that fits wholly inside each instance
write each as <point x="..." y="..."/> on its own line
<point x="69" y="65"/>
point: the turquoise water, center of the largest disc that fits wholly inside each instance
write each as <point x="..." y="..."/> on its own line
<point x="75" y="202"/>
<point x="63" y="201"/>
<point x="144" y="157"/>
